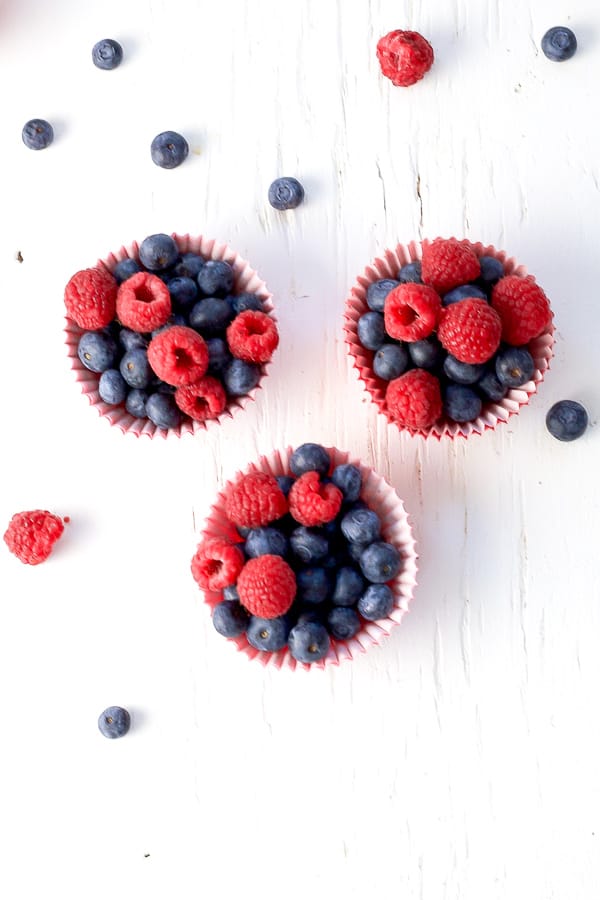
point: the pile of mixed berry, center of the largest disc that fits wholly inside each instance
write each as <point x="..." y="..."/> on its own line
<point x="450" y="334"/>
<point x="168" y="334"/>
<point x="304" y="561"/>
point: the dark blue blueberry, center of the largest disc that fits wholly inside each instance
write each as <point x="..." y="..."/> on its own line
<point x="135" y="368"/>
<point x="189" y="265"/>
<point x="125" y="269"/>
<point x="391" y="361"/>
<point x="174" y="319"/>
<point x="559" y="43"/>
<point x="313" y="585"/>
<point x="380" y="562"/>
<point x="514" y="366"/>
<point x="37" y="134"/>
<point x="169" y="149"/>
<point x="370" y="330"/>
<point x="112" y="387"/>
<point x="492" y="270"/>
<point x="566" y="420"/>
<point x="230" y="618"/>
<point x="462" y="293"/>
<point x="461" y="372"/>
<point x="135" y="403"/>
<point x="355" y="550"/>
<point x="285" y="482"/>
<point x="97" y="351"/>
<point x="286" y="193"/>
<point x="310" y="458"/>
<point x="107" y="54"/>
<point x="268" y="634"/>
<point x="314" y="614"/>
<point x="114" y="722"/>
<point x="426" y="354"/>
<point x="377" y="602"/>
<point x="343" y="623"/>
<point x="215" y="278"/>
<point x="132" y="340"/>
<point x="211" y="315"/>
<point x="308" y="545"/>
<point x="349" y="586"/>
<point x="230" y="592"/>
<point x="261" y="541"/>
<point x="348" y="479"/>
<point x="242" y="302"/>
<point x="410" y="273"/>
<point x="361" y="526"/>
<point x="491" y="387"/>
<point x="158" y="252"/>
<point x="183" y="291"/>
<point x="309" y="642"/>
<point x="461" y="403"/>
<point x="162" y="410"/>
<point x="240" y="377"/>
<point x="378" y="291"/>
<point x="218" y="355"/>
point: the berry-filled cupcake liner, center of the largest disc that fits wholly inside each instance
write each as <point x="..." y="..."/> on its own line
<point x="246" y="280"/>
<point x="493" y="413"/>
<point x="396" y="529"/>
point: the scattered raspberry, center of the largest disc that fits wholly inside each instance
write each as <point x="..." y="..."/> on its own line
<point x="414" y="399"/>
<point x="411" y="311"/>
<point x="255" y="500"/>
<point x="470" y="330"/>
<point x="178" y="355"/>
<point x="90" y="298"/>
<point x="523" y="309"/>
<point x="253" y="336"/>
<point x="143" y="302"/>
<point x="312" y="502"/>
<point x="447" y="263"/>
<point x="216" y="564"/>
<point x="32" y="535"/>
<point x="267" y="586"/>
<point x="203" y="399"/>
<point x="404" y="57"/>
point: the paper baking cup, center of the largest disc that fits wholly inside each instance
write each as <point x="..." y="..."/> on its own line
<point x="396" y="530"/>
<point x="246" y="280"/>
<point x="387" y="266"/>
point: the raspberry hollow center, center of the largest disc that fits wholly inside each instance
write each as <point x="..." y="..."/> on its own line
<point x="145" y="294"/>
<point x="407" y="315"/>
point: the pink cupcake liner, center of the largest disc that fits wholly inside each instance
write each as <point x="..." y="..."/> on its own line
<point x="246" y="281"/>
<point x="379" y="496"/>
<point x="387" y="266"/>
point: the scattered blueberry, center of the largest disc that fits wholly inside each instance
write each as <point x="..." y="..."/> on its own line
<point x="135" y="368"/>
<point x="349" y="586"/>
<point x="427" y="353"/>
<point x="230" y="618"/>
<point x="97" y="351"/>
<point x="462" y="373"/>
<point x="215" y="278"/>
<point x="162" y="410"/>
<point x="559" y="43"/>
<point x="285" y="482"/>
<point x="309" y="642"/>
<point x="114" y="722"/>
<point x="268" y="634"/>
<point x="567" y="420"/>
<point x="125" y="268"/>
<point x="380" y="562"/>
<point x="377" y="602"/>
<point x="370" y="329"/>
<point x="158" y="252"/>
<point x="491" y="387"/>
<point x="514" y="366"/>
<point x="112" y="387"/>
<point x="343" y="623"/>
<point x="240" y="377"/>
<point x="410" y="273"/>
<point x="218" y="355"/>
<point x="462" y="403"/>
<point x="210" y="315"/>
<point x="183" y="291"/>
<point x="242" y="302"/>
<point x="286" y="193"/>
<point x="348" y="479"/>
<point x="492" y="270"/>
<point x="378" y="291"/>
<point x="37" y="134"/>
<point x="310" y="458"/>
<point x="231" y="592"/>
<point x="308" y="544"/>
<point x="313" y="585"/>
<point x="391" y="361"/>
<point x="169" y="149"/>
<point x="462" y="293"/>
<point x="135" y="403"/>
<point x="107" y="54"/>
<point x="260" y="541"/>
<point x="189" y="265"/>
<point x="361" y="526"/>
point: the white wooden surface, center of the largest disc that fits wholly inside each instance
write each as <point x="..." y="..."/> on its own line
<point x="459" y="759"/>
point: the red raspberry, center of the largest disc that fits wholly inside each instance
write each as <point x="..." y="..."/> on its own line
<point x="404" y="57"/>
<point x="32" y="535"/>
<point x="470" y="330"/>
<point x="143" y="302"/>
<point x="267" y="586"/>
<point x="255" y="500"/>
<point x="178" y="355"/>
<point x="448" y="263"/>
<point x="90" y="298"/>
<point x="216" y="564"/>
<point x="314" y="503"/>
<point x="523" y="308"/>
<point x="411" y="311"/>
<point x="414" y="400"/>
<point x="252" y="336"/>
<point x="204" y="399"/>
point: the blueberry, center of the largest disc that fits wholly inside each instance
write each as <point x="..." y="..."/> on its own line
<point x="313" y="585"/>
<point x="230" y="618"/>
<point x="218" y="355"/>
<point x="377" y="602"/>
<point x="491" y="387"/>
<point x="286" y="193"/>
<point x="343" y="623"/>
<point x="242" y="302"/>
<point x="461" y="403"/>
<point x="310" y="458"/>
<point x="391" y="361"/>
<point x="559" y="43"/>
<point x="308" y="545"/>
<point x="174" y="319"/>
<point x="514" y="366"/>
<point x="135" y="368"/>
<point x="260" y="541"/>
<point x="410" y="273"/>
<point x="215" y="278"/>
<point x="189" y="265"/>
<point x="462" y="293"/>
<point x="240" y="377"/>
<point x="183" y="291"/>
<point x="349" y="586"/>
<point x="107" y="54"/>
<point x="378" y="291"/>
<point x="370" y="330"/>
<point x="169" y="149"/>
<point x="112" y="387"/>
<point x="132" y="340"/>
<point x="314" y="614"/>
<point x="461" y="372"/>
<point x="211" y="315"/>
<point x="361" y="526"/>
<point x="135" y="403"/>
<point x="125" y="269"/>
<point x="162" y="410"/>
<point x="380" y="562"/>
<point x="285" y="482"/>
<point x="268" y="634"/>
<point x="97" y="351"/>
<point x="427" y="353"/>
<point x="355" y="550"/>
<point x="348" y="479"/>
<point x="37" y="134"/>
<point x="567" y="420"/>
<point x="309" y="642"/>
<point x="230" y="592"/>
<point x="158" y="252"/>
<point x="492" y="270"/>
<point x="114" y="722"/>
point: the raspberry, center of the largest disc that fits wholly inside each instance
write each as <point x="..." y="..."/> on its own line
<point x="448" y="263"/>
<point x="178" y="355"/>
<point x="216" y="564"/>
<point x="90" y="298"/>
<point x="404" y="57"/>
<point x="203" y="399"/>
<point x="32" y="535"/>
<point x="255" y="500"/>
<point x="314" y="503"/>
<point x="470" y="330"/>
<point x="414" y="399"/>
<point x="523" y="309"/>
<point x="143" y="302"/>
<point x="267" y="586"/>
<point x="252" y="336"/>
<point x="411" y="312"/>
